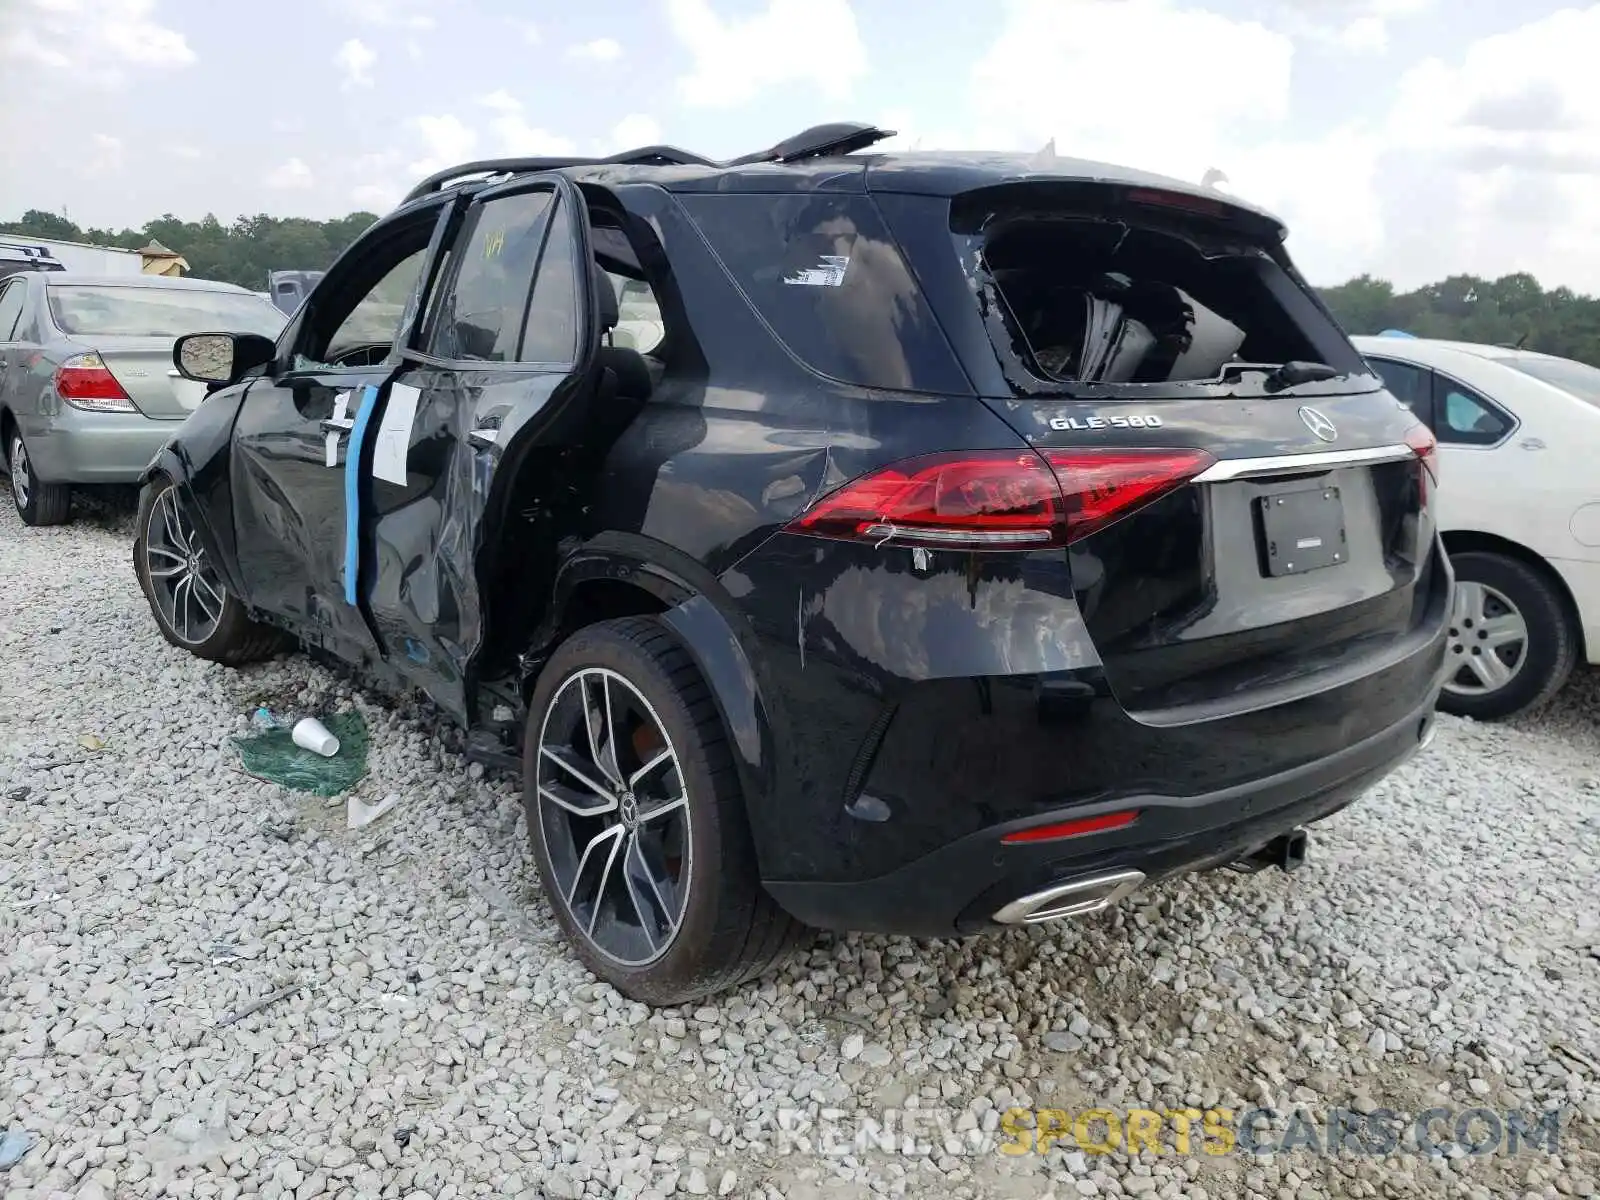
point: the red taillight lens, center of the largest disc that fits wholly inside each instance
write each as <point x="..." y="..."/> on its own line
<point x="999" y="500"/>
<point x="1002" y="500"/>
<point x="1102" y="486"/>
<point x="1426" y="447"/>
<point x="1071" y="829"/>
<point x="84" y="381"/>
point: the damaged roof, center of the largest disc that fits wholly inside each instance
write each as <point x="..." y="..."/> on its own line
<point x="829" y="158"/>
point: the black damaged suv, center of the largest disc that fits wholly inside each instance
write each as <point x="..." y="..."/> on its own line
<point x="901" y="542"/>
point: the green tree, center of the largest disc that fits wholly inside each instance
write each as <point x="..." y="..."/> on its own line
<point x="1513" y="310"/>
<point x="240" y="253"/>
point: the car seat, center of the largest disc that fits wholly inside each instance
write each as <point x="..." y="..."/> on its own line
<point x="630" y="374"/>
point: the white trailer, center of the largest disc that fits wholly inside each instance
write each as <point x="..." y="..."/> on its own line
<point x="82" y="257"/>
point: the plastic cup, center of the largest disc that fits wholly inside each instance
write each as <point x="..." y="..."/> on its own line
<point x="311" y="734"/>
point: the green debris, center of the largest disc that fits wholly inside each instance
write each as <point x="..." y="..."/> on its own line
<point x="272" y="755"/>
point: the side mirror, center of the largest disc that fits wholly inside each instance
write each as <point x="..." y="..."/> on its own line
<point x="220" y="358"/>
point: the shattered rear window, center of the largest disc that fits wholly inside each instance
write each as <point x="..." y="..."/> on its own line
<point x="1131" y="298"/>
<point x="829" y="280"/>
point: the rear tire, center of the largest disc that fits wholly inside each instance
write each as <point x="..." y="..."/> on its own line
<point x="192" y="606"/>
<point x="678" y="911"/>
<point x="38" y="503"/>
<point x="1511" y="610"/>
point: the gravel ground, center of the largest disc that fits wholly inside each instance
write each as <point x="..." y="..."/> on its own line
<point x="210" y="987"/>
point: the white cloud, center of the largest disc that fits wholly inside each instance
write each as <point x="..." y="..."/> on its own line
<point x="447" y="141"/>
<point x="95" y="39"/>
<point x="531" y="33"/>
<point x="601" y="50"/>
<point x="107" y="151"/>
<point x="1046" y="75"/>
<point x="1351" y="26"/>
<point x="375" y="197"/>
<point x="634" y="131"/>
<point x="390" y="14"/>
<point x="812" y="42"/>
<point x="514" y="135"/>
<point x="185" y="151"/>
<point x="354" y="60"/>
<point x="375" y="182"/>
<point x="293" y="175"/>
<point x="1488" y="164"/>
<point x="1364" y="35"/>
<point x="1495" y="159"/>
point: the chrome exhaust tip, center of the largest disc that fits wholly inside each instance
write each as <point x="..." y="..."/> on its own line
<point x="1078" y="898"/>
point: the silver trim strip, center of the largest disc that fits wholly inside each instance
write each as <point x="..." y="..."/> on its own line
<point x="1289" y="464"/>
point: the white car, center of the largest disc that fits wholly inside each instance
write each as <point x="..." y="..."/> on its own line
<point x="1519" y="507"/>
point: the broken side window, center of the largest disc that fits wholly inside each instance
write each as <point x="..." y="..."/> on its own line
<point x="373" y="322"/>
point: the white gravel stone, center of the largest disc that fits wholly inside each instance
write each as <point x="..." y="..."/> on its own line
<point x="434" y="1038"/>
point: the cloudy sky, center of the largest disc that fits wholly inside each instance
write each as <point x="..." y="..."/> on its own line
<point x="1408" y="138"/>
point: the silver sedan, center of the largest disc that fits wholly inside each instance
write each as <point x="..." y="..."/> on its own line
<point x="88" y="392"/>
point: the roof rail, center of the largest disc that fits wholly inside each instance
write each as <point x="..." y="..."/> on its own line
<point x="820" y="141"/>
<point x="839" y="137"/>
<point x="644" y="156"/>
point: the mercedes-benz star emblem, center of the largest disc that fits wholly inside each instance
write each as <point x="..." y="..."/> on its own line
<point x="1323" y="428"/>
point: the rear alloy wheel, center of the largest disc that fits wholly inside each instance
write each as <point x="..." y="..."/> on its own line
<point x="192" y="606"/>
<point x="636" y="821"/>
<point x="38" y="503"/>
<point x="1511" y="640"/>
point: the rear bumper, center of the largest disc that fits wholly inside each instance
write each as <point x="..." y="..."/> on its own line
<point x="87" y="447"/>
<point x="958" y="888"/>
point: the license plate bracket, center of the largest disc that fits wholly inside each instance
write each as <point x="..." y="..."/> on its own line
<point x="1301" y="531"/>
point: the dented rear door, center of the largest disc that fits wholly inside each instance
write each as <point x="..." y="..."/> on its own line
<point x="494" y="365"/>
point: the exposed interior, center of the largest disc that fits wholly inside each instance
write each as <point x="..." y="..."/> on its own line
<point x="643" y="347"/>
<point x="1134" y="298"/>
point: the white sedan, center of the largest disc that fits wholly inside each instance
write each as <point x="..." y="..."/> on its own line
<point x="1519" y="506"/>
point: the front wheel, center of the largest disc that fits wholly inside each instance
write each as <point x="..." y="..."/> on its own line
<point x="636" y="820"/>
<point x="1512" y="643"/>
<point x="193" y="607"/>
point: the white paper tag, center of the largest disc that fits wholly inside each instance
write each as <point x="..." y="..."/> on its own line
<point x="392" y="446"/>
<point x="341" y="406"/>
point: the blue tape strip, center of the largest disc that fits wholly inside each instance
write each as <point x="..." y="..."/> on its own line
<point x="352" y="493"/>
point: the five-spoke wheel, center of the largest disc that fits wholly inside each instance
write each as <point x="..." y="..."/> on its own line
<point x="192" y="605"/>
<point x="184" y="586"/>
<point x="614" y="815"/>
<point x="637" y="821"/>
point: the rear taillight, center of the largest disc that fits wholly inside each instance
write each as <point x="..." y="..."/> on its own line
<point x="1426" y="447"/>
<point x="1102" y="486"/>
<point x="999" y="500"/>
<point x="84" y="381"/>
